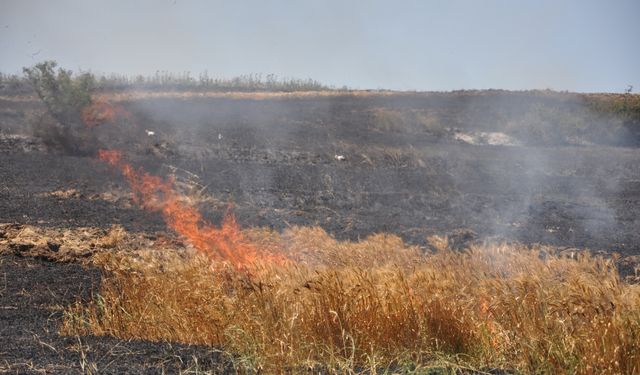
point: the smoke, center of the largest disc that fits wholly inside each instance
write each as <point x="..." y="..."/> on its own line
<point x="413" y="164"/>
<point x="530" y="166"/>
<point x="548" y="185"/>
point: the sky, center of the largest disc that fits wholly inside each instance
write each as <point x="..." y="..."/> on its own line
<point x="575" y="45"/>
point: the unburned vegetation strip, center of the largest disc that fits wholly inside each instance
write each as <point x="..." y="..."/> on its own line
<point x="376" y="305"/>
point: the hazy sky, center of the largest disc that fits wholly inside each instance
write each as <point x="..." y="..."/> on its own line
<point x="578" y="45"/>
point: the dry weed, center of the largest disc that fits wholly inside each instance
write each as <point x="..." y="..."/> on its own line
<point x="377" y="305"/>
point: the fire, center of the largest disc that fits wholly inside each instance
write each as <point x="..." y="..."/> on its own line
<point x="223" y="244"/>
<point x="154" y="193"/>
<point x="101" y="111"/>
<point x="487" y="315"/>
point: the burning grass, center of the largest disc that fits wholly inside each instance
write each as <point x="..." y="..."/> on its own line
<point x="376" y="305"/>
<point x="226" y="243"/>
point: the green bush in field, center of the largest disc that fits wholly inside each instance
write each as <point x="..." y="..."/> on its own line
<point x="64" y="95"/>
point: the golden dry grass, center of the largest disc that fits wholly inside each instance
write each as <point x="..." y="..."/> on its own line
<point x="377" y="305"/>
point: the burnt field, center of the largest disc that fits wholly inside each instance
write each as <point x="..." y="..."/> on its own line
<point x="523" y="167"/>
<point x="413" y="165"/>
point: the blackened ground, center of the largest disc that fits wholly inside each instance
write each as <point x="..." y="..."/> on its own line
<point x="278" y="160"/>
<point x="32" y="296"/>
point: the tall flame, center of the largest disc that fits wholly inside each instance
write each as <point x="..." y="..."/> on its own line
<point x="225" y="243"/>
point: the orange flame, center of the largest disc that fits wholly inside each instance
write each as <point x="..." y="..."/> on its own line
<point x="486" y="314"/>
<point x="226" y="243"/>
<point x="101" y="111"/>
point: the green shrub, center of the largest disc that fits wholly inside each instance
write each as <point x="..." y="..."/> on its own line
<point x="64" y="95"/>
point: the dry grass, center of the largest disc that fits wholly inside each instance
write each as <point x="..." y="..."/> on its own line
<point x="377" y="305"/>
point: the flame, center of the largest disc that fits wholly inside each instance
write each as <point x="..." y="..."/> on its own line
<point x="101" y="111"/>
<point x="486" y="314"/>
<point x="226" y="243"/>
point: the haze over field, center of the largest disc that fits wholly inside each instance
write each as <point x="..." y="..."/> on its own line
<point x="586" y="46"/>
